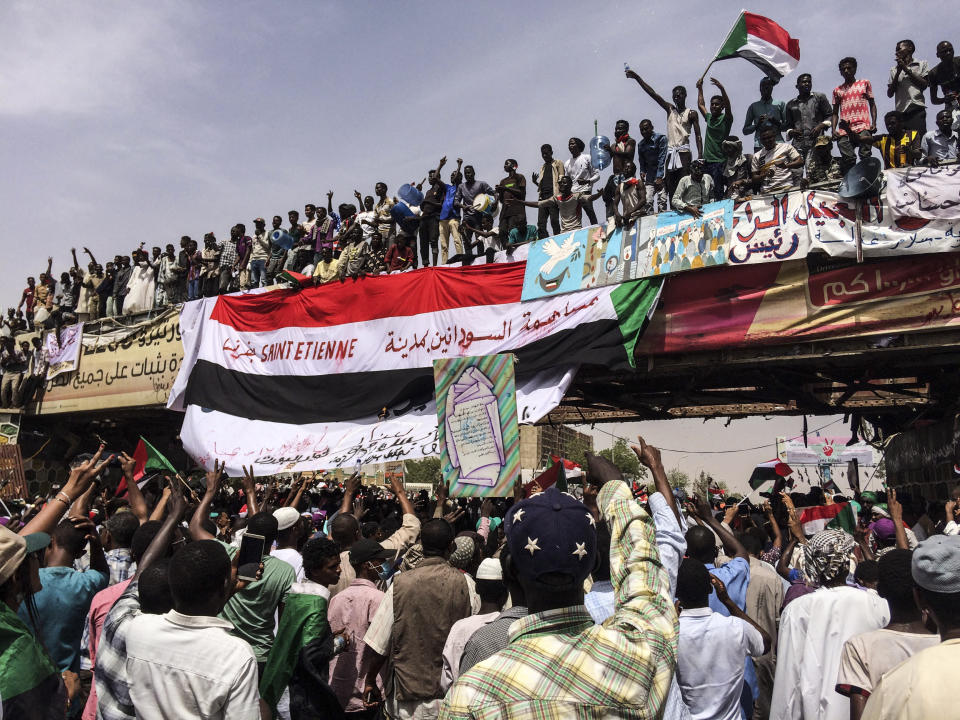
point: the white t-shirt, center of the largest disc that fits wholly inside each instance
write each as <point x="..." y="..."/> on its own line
<point x="870" y="655"/>
<point x="781" y="177"/>
<point x="292" y="558"/>
<point x="710" y="652"/>
<point x="923" y="687"/>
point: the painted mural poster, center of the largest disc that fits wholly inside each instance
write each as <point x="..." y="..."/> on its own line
<point x="477" y="424"/>
<point x="587" y="258"/>
<point x="683" y="242"/>
<point x="555" y="264"/>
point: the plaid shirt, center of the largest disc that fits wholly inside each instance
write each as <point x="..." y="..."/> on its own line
<point x="559" y="664"/>
<point x="110" y="671"/>
<point x="228" y="254"/>
<point x="119" y="560"/>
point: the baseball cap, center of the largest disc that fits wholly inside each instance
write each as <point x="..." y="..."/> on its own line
<point x="14" y="548"/>
<point x="552" y="533"/>
<point x="286" y="517"/>
<point x="367" y="549"/>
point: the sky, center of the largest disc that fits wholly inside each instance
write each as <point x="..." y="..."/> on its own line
<point x="125" y="122"/>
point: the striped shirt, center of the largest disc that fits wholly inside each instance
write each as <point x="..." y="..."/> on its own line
<point x="894" y="151"/>
<point x="559" y="664"/>
<point x="853" y="101"/>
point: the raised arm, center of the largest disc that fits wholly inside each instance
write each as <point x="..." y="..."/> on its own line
<point x="77" y="484"/>
<point x="214" y="478"/>
<point x="731" y="546"/>
<point x="294" y="501"/>
<point x="667" y="107"/>
<point x="350" y="488"/>
<point x="774" y="527"/>
<point x="701" y="105"/>
<point x="330" y="202"/>
<point x="73" y="254"/>
<point x="161" y="506"/>
<point x="736" y="612"/>
<point x="796" y="529"/>
<point x="92" y="258"/>
<point x="137" y="504"/>
<point x="783" y="564"/>
<point x="161" y="541"/>
<point x="397" y="488"/>
<point x="727" y="107"/>
<point x="896" y="514"/>
<point x="443" y="161"/>
<point x="650" y="457"/>
<point x="249" y="484"/>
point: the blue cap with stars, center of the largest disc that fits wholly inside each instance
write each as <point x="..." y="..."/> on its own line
<point x="552" y="532"/>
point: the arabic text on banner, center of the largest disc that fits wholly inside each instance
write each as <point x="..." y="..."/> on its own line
<point x="772" y="228"/>
<point x="931" y="193"/>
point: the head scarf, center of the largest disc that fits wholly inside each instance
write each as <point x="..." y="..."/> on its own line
<point x="884" y="529"/>
<point x="870" y="497"/>
<point x="461" y="557"/>
<point x="827" y="553"/>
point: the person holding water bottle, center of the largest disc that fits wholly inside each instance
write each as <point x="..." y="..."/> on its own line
<point x="622" y="152"/>
<point x="582" y="174"/>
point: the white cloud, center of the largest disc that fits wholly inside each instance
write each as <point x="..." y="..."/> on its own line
<point x="67" y="58"/>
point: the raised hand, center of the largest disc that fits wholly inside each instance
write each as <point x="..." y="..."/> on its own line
<point x="894" y="506"/>
<point x="177" y="503"/>
<point x="215" y="477"/>
<point x="454" y="515"/>
<point x="720" y="589"/>
<point x="647" y="454"/>
<point x="127" y="464"/>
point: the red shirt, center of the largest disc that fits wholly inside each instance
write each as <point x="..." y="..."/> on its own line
<point x="853" y="104"/>
<point x="28" y="298"/>
<point x="399" y="258"/>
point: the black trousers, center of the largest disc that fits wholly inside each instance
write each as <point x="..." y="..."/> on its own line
<point x="429" y="239"/>
<point x="552" y="212"/>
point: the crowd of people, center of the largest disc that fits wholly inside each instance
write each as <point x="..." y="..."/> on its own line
<point x="785" y="144"/>
<point x="123" y="602"/>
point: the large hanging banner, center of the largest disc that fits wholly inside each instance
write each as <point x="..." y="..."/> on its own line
<point x="477" y="425"/>
<point x="324" y="376"/>
<point x="776" y="303"/>
<point x="772" y="228"/>
<point x="922" y="192"/>
<point x="823" y="451"/>
<point x="120" y="367"/>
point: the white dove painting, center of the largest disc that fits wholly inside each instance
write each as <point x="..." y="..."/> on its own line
<point x="555" y="265"/>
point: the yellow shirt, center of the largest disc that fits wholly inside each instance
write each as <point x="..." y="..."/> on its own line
<point x="894" y="152"/>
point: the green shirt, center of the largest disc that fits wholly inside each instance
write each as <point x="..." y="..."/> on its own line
<point x="304" y="620"/>
<point x="251" y="610"/>
<point x="23" y="663"/>
<point x="718" y="128"/>
<point x="513" y="237"/>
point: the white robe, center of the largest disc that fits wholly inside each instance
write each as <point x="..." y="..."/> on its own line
<point x="141" y="289"/>
<point x="813" y="629"/>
